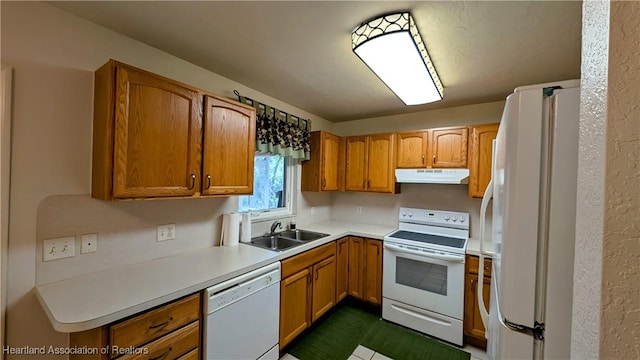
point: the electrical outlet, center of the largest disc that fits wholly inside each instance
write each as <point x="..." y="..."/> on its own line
<point x="59" y="248"/>
<point x="88" y="243"/>
<point x="359" y="210"/>
<point x="166" y="232"/>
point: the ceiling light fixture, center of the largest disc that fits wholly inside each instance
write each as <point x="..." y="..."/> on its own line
<point x="392" y="48"/>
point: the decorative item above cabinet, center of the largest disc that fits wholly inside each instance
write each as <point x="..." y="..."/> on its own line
<point x="148" y="138"/>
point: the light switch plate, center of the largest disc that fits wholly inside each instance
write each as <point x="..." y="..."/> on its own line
<point x="88" y="243"/>
<point x="59" y="248"/>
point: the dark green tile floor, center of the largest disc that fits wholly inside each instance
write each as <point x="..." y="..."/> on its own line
<point x="338" y="334"/>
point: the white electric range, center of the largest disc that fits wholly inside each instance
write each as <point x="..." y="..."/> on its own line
<point x="423" y="276"/>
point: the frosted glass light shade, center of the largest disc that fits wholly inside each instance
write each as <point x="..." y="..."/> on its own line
<point x="393" y="49"/>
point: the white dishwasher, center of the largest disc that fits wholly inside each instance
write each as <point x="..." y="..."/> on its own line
<point x="242" y="316"/>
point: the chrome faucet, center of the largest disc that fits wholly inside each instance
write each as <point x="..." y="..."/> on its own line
<point x="276" y="224"/>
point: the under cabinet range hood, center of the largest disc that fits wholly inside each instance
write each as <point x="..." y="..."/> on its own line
<point x="433" y="176"/>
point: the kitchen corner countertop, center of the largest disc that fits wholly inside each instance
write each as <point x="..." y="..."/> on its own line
<point x="92" y="300"/>
<point x="473" y="246"/>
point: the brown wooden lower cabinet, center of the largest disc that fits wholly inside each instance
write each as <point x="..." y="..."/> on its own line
<point x="373" y="271"/>
<point x="356" y="267"/>
<point x="342" y="268"/>
<point x="170" y="331"/>
<point x="324" y="287"/>
<point x="295" y="302"/>
<point x="365" y="269"/>
<point x="473" y="327"/>
<point x="307" y="290"/>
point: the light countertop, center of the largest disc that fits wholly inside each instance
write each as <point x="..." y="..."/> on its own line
<point x="92" y="300"/>
<point x="473" y="246"/>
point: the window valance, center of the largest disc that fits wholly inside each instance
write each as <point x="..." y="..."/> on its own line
<point x="278" y="132"/>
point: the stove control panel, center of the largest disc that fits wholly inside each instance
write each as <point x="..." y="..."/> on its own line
<point x="434" y="217"/>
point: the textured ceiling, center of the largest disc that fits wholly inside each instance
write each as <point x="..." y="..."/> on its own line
<point x="300" y="51"/>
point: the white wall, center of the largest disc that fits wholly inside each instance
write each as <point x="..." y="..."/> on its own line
<point x="585" y="333"/>
<point x="54" y="55"/>
<point x="383" y="208"/>
<point x="462" y="115"/>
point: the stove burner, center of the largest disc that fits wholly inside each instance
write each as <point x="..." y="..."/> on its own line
<point x="429" y="239"/>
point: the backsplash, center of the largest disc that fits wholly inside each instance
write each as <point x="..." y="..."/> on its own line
<point x="127" y="229"/>
<point x="382" y="209"/>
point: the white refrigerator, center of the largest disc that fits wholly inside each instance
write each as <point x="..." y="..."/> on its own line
<point x="533" y="224"/>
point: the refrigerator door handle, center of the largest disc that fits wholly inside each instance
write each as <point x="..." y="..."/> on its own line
<point x="484" y="314"/>
<point x="537" y="331"/>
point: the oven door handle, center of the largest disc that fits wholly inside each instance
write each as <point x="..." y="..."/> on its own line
<point x="449" y="258"/>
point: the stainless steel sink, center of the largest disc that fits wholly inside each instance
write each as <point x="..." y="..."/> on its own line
<point x="286" y="239"/>
<point x="275" y="242"/>
<point x="302" y="235"/>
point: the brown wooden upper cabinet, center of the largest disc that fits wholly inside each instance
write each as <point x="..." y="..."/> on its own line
<point x="448" y="147"/>
<point x="325" y="170"/>
<point x="148" y="138"/>
<point x="480" y="157"/>
<point x="433" y="148"/>
<point x="370" y="163"/>
<point x="412" y="149"/>
<point x="229" y="147"/>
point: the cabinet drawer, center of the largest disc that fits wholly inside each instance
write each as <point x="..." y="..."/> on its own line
<point x="293" y="265"/>
<point x="473" y="265"/>
<point x="171" y="346"/>
<point x="155" y="323"/>
<point x="191" y="355"/>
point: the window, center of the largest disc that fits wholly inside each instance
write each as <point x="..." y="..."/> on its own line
<point x="271" y="186"/>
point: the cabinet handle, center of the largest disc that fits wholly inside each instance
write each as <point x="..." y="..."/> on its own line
<point x="317" y="275"/>
<point x="163" y="355"/>
<point x="162" y="324"/>
<point x="423" y="158"/>
<point x="378" y="250"/>
<point x="434" y="158"/>
<point x="193" y="181"/>
<point x="473" y="287"/>
<point x="324" y="183"/>
<point x="208" y="182"/>
<point x="308" y="278"/>
<point x="368" y="184"/>
<point x="340" y="248"/>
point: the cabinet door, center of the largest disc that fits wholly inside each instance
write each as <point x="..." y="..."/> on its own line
<point x="330" y="159"/>
<point x="412" y="149"/>
<point x="324" y="287"/>
<point x="356" y="163"/>
<point x="157" y="140"/>
<point x="356" y="267"/>
<point x="381" y="157"/>
<point x="449" y="147"/>
<point x="373" y="271"/>
<point x="473" y="327"/>
<point x="342" y="269"/>
<point x="480" y="158"/>
<point x="229" y="147"/>
<point x="295" y="301"/>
